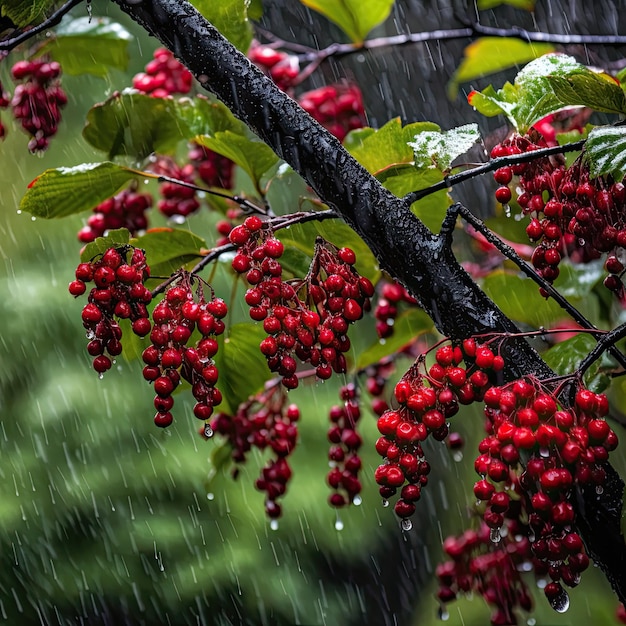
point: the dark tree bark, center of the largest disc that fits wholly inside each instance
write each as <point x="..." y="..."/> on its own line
<point x="404" y="247"/>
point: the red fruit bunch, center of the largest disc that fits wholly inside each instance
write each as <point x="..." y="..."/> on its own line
<point x="266" y="421"/>
<point x="386" y="311"/>
<point x="426" y="399"/>
<point x="281" y="67"/>
<point x="338" y="108"/>
<point x="169" y="358"/>
<point x="212" y="168"/>
<point x="125" y="210"/>
<point x="163" y="76"/>
<point x="534" y="456"/>
<point x="38" y="100"/>
<point x="571" y="212"/>
<point x="176" y="200"/>
<point x="119" y="292"/>
<point x="343" y="455"/>
<point x="313" y="328"/>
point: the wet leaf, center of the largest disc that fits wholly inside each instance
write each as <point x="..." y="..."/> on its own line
<point x="135" y="125"/>
<point x="25" y="12"/>
<point x="566" y="356"/>
<point x="243" y="369"/>
<point x="438" y="149"/>
<point x="68" y="190"/>
<point x="89" y="46"/>
<point x="230" y="17"/>
<point x="489" y="55"/>
<point x="606" y="151"/>
<point x="100" y="245"/>
<point x="355" y="17"/>
<point x="407" y="327"/>
<point x="167" y="249"/>
<point x="595" y="90"/>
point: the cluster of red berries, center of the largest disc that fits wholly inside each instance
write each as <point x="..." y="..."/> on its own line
<point x="125" y="210"/>
<point x="182" y="311"/>
<point x="571" y="213"/>
<point x="177" y="199"/>
<point x="281" y="67"/>
<point x="266" y="421"/>
<point x="343" y="454"/>
<point x="338" y="108"/>
<point x="426" y="399"/>
<point x="386" y="311"/>
<point x="163" y="76"/>
<point x="37" y="101"/>
<point x="315" y="333"/>
<point x="213" y="169"/>
<point x="119" y="292"/>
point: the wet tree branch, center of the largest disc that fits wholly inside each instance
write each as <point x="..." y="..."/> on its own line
<point x="421" y="260"/>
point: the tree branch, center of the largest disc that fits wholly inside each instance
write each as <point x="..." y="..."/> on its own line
<point x="404" y="247"/>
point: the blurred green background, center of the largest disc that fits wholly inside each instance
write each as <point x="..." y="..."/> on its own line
<point x="105" y="519"/>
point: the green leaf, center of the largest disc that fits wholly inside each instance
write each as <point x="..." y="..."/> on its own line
<point x="168" y="249"/>
<point x="529" y="5"/>
<point x="230" y="17"/>
<point x="255" y="10"/>
<point x="520" y="300"/>
<point x="489" y="55"/>
<point x="68" y="190"/>
<point x="243" y="369"/>
<point x="134" y="124"/>
<point x="202" y="116"/>
<point x="114" y="238"/>
<point x="532" y="96"/>
<point x="403" y="179"/>
<point x="566" y="356"/>
<point x="594" y="90"/>
<point x="355" y="17"/>
<point x="89" y="46"/>
<point x="254" y="157"/>
<point x="376" y="150"/>
<point x="406" y="328"/>
<point x="606" y="151"/>
<point x="439" y="148"/>
<point x="26" y="12"/>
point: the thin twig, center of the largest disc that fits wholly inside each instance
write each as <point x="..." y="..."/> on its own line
<point x="607" y="342"/>
<point x="490" y="166"/>
<point x="53" y="20"/>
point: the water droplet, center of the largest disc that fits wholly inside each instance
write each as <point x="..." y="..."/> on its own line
<point x="210" y="496"/>
<point x="357" y="500"/>
<point x="208" y="431"/>
<point x="406" y="524"/>
<point x="178" y="219"/>
<point x="442" y="614"/>
<point x="385" y="503"/>
<point x="599" y="489"/>
<point x="338" y="524"/>
<point x="494" y="535"/>
<point x="560" y="603"/>
<point x="19" y="211"/>
<point x="531" y="621"/>
<point x="90" y="334"/>
<point x="541" y="583"/>
<point x="544" y="452"/>
<point x="33" y="219"/>
<point x="507" y="210"/>
<point x="274" y="524"/>
<point x="457" y="455"/>
<point x="100" y="376"/>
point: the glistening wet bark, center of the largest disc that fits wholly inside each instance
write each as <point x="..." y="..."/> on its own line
<point x="403" y="246"/>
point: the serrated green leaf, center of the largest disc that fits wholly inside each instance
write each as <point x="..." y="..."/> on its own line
<point x="254" y="157"/>
<point x="242" y="368"/>
<point x="520" y="300"/>
<point x="407" y="327"/>
<point x="488" y="55"/>
<point x="594" y="90"/>
<point x="114" y="238"/>
<point x="532" y="96"/>
<point x="202" y="116"/>
<point x="69" y="190"/>
<point x="26" y="12"/>
<point x="376" y="150"/>
<point x="605" y="151"/>
<point x="529" y="5"/>
<point x="439" y="148"/>
<point x="230" y="17"/>
<point x="89" y="46"/>
<point x="168" y="249"/>
<point x="134" y="124"/>
<point x="404" y="179"/>
<point x="566" y="356"/>
<point x="355" y="17"/>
